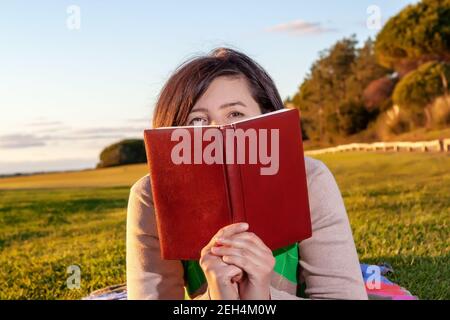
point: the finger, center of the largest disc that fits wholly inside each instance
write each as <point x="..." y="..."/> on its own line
<point x="231" y="230"/>
<point x="239" y="278"/>
<point x="230" y="251"/>
<point x="226" y="231"/>
<point x="233" y="272"/>
<point x="227" y="251"/>
<point x="247" y="236"/>
<point x="250" y="236"/>
<point x="241" y="262"/>
<point x="246" y="242"/>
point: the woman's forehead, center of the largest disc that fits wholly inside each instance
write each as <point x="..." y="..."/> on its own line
<point x="225" y="91"/>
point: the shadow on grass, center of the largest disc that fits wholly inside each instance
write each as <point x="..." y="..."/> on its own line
<point x="22" y="236"/>
<point x="67" y="206"/>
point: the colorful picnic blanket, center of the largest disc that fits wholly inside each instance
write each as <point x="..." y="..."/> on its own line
<point x="378" y="287"/>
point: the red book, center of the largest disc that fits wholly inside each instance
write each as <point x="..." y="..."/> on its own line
<point x="206" y="177"/>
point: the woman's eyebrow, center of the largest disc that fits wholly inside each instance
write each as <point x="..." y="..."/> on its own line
<point x="200" y="110"/>
<point x="230" y="104"/>
<point x="223" y="106"/>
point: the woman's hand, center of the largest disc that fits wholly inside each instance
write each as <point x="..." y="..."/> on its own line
<point x="248" y="252"/>
<point x="222" y="277"/>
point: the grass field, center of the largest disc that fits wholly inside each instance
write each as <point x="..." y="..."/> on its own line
<point x="399" y="208"/>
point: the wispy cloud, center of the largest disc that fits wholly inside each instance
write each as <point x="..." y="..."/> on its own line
<point x="300" y="27"/>
<point x="107" y="130"/>
<point x="13" y="141"/>
<point x="140" y="120"/>
<point x="14" y="167"/>
<point x="37" y="139"/>
<point x="45" y="123"/>
<point x="43" y="126"/>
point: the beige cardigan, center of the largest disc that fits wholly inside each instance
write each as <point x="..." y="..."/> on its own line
<point x="328" y="260"/>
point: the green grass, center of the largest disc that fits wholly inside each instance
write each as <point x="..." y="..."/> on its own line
<point x="105" y="177"/>
<point x="399" y="208"/>
<point x="42" y="232"/>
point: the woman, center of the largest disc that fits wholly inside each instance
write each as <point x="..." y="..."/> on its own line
<point x="219" y="88"/>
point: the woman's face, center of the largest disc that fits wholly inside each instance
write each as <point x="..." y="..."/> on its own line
<point x="226" y="100"/>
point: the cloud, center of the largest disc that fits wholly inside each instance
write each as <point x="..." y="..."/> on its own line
<point x="300" y="27"/>
<point x="14" y="141"/>
<point x="35" y="139"/>
<point x="44" y="126"/>
<point x="107" y="130"/>
<point x="45" y="123"/>
<point x="30" y="166"/>
<point x="140" y="120"/>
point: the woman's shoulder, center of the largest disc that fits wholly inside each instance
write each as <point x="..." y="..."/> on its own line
<point x="142" y="184"/>
<point x="319" y="176"/>
<point x="315" y="168"/>
<point x="140" y="212"/>
<point x="325" y="198"/>
<point x="142" y="190"/>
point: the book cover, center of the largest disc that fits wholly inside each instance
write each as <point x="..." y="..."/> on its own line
<point x="206" y="177"/>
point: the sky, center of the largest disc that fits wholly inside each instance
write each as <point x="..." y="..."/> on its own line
<point x="77" y="76"/>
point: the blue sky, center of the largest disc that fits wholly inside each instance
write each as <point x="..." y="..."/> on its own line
<point x="67" y="93"/>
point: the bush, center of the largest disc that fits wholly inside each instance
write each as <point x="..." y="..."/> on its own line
<point x="123" y="152"/>
<point x="354" y="117"/>
<point x="393" y="122"/>
<point x="377" y="95"/>
<point x="421" y="87"/>
<point x="440" y="112"/>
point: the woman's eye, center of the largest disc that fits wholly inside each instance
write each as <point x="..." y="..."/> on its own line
<point x="198" y="122"/>
<point x="235" y="114"/>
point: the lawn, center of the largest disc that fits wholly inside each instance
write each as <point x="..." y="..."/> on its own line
<point x="399" y="208"/>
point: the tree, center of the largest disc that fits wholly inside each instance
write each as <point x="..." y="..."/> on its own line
<point x="325" y="86"/>
<point x="419" y="33"/>
<point x="365" y="70"/>
<point x="419" y="88"/>
<point x="354" y="117"/>
<point x="123" y="152"/>
<point x="334" y="85"/>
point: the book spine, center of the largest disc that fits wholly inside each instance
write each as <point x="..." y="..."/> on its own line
<point x="233" y="176"/>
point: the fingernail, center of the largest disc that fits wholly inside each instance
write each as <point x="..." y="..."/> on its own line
<point x="244" y="225"/>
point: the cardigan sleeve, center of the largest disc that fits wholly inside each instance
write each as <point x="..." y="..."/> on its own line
<point x="328" y="260"/>
<point x="148" y="276"/>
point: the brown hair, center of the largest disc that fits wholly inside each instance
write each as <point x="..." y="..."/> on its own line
<point x="193" y="77"/>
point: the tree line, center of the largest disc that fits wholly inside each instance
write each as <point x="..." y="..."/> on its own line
<point x="387" y="85"/>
